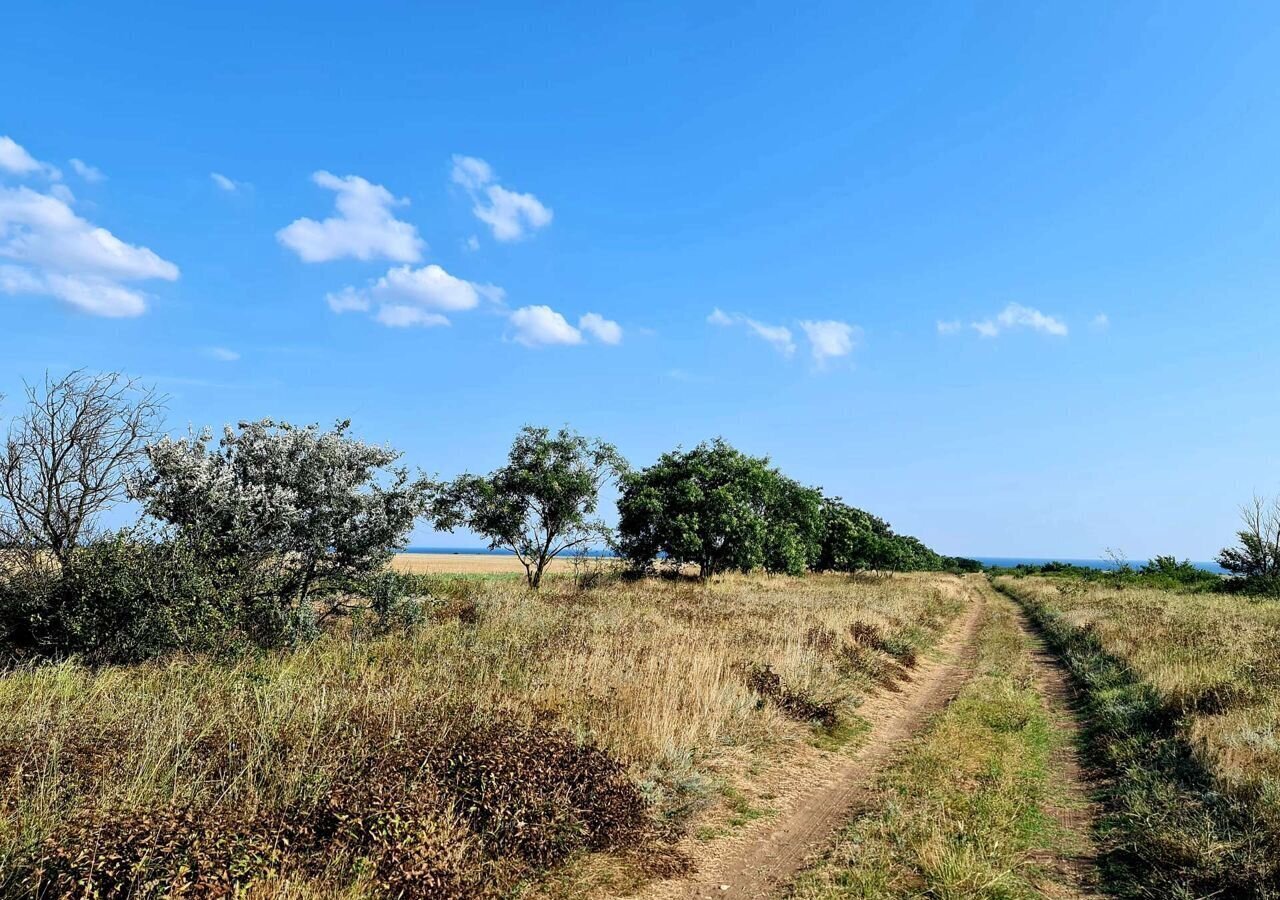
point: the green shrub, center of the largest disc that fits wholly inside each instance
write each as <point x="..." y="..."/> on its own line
<point x="120" y="598"/>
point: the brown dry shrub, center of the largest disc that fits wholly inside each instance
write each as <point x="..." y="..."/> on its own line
<point x="157" y="853"/>
<point x="539" y="795"/>
<point x="865" y="634"/>
<point x="401" y="822"/>
<point x="795" y="703"/>
<point x="443" y="810"/>
<point x="821" y="639"/>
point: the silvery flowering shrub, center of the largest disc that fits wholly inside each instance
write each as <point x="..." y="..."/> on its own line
<point x="282" y="514"/>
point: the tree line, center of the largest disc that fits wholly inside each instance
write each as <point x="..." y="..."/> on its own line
<point x="262" y="533"/>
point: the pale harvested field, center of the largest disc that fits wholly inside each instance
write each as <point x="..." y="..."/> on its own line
<point x="476" y="564"/>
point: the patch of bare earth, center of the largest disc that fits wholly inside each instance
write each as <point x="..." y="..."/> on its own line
<point x="821" y="792"/>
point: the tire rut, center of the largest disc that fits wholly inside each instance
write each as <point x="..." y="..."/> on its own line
<point x="1075" y="871"/>
<point x="760" y="861"/>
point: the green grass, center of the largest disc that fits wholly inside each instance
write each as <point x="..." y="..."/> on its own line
<point x="961" y="813"/>
<point x="1182" y="696"/>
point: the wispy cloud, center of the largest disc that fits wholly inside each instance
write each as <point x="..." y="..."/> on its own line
<point x="1101" y="322"/>
<point x="509" y="214"/>
<point x="222" y="354"/>
<point x="230" y="185"/>
<point x="779" y="336"/>
<point x="91" y="174"/>
<point x="364" y="227"/>
<point x="952" y="326"/>
<point x="1016" y="316"/>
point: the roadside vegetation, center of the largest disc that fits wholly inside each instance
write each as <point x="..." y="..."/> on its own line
<point x="1182" y="692"/>
<point x="964" y="812"/>
<point x="504" y="735"/>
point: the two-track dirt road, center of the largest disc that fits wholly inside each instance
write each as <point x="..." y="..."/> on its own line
<point x="760" y="860"/>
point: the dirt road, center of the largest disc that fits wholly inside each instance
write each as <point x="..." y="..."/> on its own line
<point x="757" y="861"/>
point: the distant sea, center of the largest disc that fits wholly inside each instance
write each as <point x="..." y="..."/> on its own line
<point x="1010" y="561"/>
<point x="1104" y="564"/>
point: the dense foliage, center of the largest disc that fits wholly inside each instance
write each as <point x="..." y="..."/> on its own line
<point x="721" y="510"/>
<point x="279" y="513"/>
<point x="541" y="503"/>
<point x="854" y="540"/>
<point x="718" y="509"/>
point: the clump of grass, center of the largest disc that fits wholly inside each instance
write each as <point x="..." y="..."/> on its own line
<point x="794" y="702"/>
<point x="962" y="812"/>
<point x="1183" y="700"/>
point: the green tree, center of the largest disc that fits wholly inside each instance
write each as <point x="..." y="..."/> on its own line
<point x="708" y="506"/>
<point x="793" y="526"/>
<point x="541" y="503"/>
<point x="854" y="540"/>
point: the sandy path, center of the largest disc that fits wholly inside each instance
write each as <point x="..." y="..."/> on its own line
<point x="759" y="859"/>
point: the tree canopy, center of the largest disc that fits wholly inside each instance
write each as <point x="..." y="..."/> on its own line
<point x="539" y="505"/>
<point x="281" y="509"/>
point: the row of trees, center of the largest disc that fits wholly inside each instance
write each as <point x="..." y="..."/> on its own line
<point x="259" y="533"/>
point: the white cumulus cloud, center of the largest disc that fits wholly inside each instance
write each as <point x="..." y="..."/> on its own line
<point x="509" y="214"/>
<point x="540" y="326"/>
<point x="429" y="290"/>
<point x="606" y="331"/>
<point x="400" y="315"/>
<point x="830" y="339"/>
<point x="364" y="228"/>
<point x="52" y="251"/>
<point x="1015" y="316"/>
<point x="15" y="160"/>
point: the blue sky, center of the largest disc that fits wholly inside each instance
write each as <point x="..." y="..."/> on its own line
<point x="1005" y="274"/>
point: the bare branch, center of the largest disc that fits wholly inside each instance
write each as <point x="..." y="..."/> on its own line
<point x="70" y="456"/>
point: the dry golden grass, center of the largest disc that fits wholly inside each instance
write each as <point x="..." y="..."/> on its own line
<point x="1215" y="658"/>
<point x="651" y="671"/>
<point x="1183" y="693"/>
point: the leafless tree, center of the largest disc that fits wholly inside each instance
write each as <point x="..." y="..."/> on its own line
<point x="1257" y="555"/>
<point x="69" y="457"/>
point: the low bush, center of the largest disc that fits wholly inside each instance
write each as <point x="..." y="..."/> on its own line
<point x="447" y="809"/>
<point x="120" y="598"/>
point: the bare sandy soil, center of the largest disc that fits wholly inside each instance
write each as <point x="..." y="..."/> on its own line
<point x="474" y="564"/>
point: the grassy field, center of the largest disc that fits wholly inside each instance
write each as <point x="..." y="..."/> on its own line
<point x="965" y="811"/>
<point x="1183" y="701"/>
<point x="567" y="739"/>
